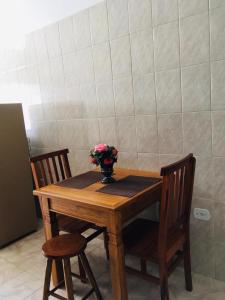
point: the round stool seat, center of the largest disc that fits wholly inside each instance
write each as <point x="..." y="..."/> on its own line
<point x="66" y="245"/>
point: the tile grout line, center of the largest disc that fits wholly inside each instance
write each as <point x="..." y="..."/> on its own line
<point x="180" y="72"/>
<point x="132" y="79"/>
<point x="212" y="157"/>
<point x="113" y="87"/>
<point x="154" y="79"/>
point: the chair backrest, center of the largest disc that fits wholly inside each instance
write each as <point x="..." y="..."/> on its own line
<point x="177" y="189"/>
<point x="50" y="167"/>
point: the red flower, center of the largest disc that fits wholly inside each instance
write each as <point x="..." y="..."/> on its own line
<point x="93" y="160"/>
<point x="107" y="161"/>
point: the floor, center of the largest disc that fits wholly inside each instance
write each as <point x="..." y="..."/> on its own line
<point x="22" y="269"/>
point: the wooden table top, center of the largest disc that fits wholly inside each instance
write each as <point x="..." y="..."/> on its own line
<point x="89" y="195"/>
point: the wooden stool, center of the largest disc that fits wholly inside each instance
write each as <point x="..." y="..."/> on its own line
<point x="64" y="247"/>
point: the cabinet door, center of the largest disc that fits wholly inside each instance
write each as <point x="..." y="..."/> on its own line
<point x="17" y="209"/>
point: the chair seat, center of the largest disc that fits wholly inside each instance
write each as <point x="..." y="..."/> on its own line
<point x="140" y="239"/>
<point x="72" y="225"/>
<point x="65" y="245"/>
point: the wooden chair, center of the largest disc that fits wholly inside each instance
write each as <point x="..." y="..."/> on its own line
<point x="64" y="247"/>
<point x="51" y="168"/>
<point x="166" y="243"/>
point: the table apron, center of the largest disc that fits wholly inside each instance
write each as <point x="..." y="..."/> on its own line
<point x="139" y="204"/>
<point x="98" y="216"/>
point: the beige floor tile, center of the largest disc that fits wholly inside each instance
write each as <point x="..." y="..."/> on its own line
<point x="23" y="267"/>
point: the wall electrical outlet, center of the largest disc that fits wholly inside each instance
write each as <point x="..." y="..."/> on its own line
<point x="202" y="214"/>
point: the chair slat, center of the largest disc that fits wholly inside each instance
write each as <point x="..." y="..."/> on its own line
<point x="55" y="168"/>
<point x="43" y="173"/>
<point x="66" y="165"/>
<point x="61" y="167"/>
<point x="49" y="171"/>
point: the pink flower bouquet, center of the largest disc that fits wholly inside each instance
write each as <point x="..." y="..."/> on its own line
<point x="105" y="156"/>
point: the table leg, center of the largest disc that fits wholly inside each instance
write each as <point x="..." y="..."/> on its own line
<point x="117" y="266"/>
<point x="51" y="230"/>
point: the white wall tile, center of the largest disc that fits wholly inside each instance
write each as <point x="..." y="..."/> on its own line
<point x="52" y="40"/>
<point x="57" y="76"/>
<point x="93" y="132"/>
<point x="203" y="183"/>
<point x="217" y="24"/>
<point x="40" y="45"/>
<point x="142" y="52"/>
<point x="164" y="11"/>
<point x="147" y="140"/>
<point x="127" y="160"/>
<point x="194" y="39"/>
<point x="106" y="99"/>
<point x="30" y="54"/>
<point x="79" y="161"/>
<point x="71" y="106"/>
<point x="82" y="32"/>
<point x="166" y="50"/>
<point x="66" y="34"/>
<point x="85" y="65"/>
<point x="218" y="182"/>
<point x="89" y="99"/>
<point x="140" y="15"/>
<point x="99" y="23"/>
<point x="126" y="134"/>
<point x="168" y="91"/>
<point x="118" y="18"/>
<point x="192" y="7"/>
<point x="45" y="79"/>
<point x="121" y="59"/>
<point x="108" y="131"/>
<point x="197" y="133"/>
<point x="71" y="69"/>
<point x="165" y="159"/>
<point x="102" y="62"/>
<point x="170" y="134"/>
<point x="218" y="131"/>
<point x="144" y="94"/>
<point x="148" y="162"/>
<point x="218" y="86"/>
<point x="216" y="3"/>
<point x="196" y="88"/>
<point x="73" y="133"/>
<point x="124" y="103"/>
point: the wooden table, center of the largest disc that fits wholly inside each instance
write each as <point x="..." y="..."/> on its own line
<point x="106" y="210"/>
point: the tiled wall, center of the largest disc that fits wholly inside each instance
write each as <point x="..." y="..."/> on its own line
<point x="145" y="76"/>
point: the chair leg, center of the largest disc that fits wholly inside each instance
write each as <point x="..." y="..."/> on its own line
<point x="143" y="266"/>
<point x="83" y="277"/>
<point x="68" y="278"/>
<point x="90" y="275"/>
<point x="47" y="279"/>
<point x="187" y="266"/>
<point x="164" y="290"/>
<point x="106" y="243"/>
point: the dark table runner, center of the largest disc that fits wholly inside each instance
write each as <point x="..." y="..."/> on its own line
<point x="81" y="181"/>
<point x="129" y="186"/>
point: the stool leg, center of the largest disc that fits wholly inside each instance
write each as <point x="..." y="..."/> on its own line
<point x="47" y="279"/>
<point x="90" y="275"/>
<point x="82" y="272"/>
<point x="68" y="278"/>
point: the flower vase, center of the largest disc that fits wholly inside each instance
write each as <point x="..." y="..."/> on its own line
<point x="107" y="171"/>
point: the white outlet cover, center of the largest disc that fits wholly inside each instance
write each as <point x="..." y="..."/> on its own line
<point x="202" y="214"/>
